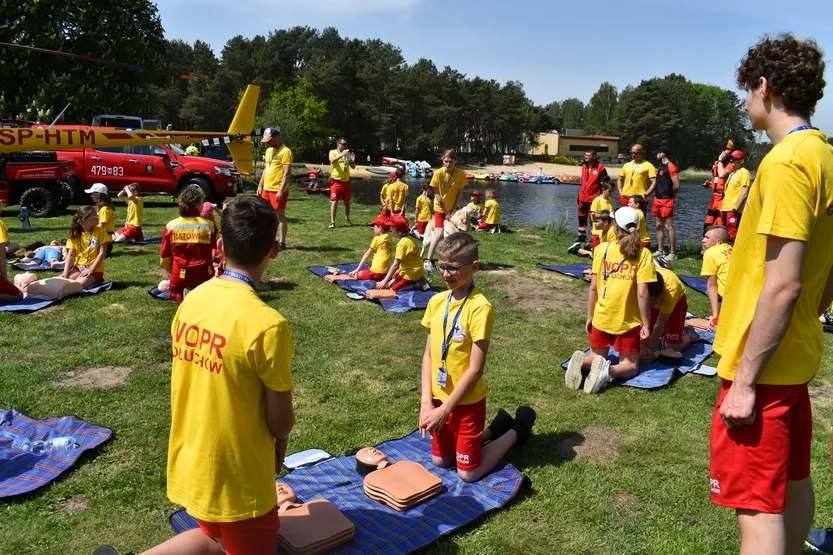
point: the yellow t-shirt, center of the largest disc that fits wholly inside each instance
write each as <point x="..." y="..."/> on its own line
<point x="637" y="177"/>
<point x="739" y="179"/>
<point x="716" y="263"/>
<point x="475" y="324"/>
<point x="87" y="247"/>
<point x="221" y="454"/>
<point x="448" y="188"/>
<point x="673" y="293"/>
<point x="608" y="236"/>
<point x="382" y="247"/>
<point x="477" y="206"/>
<point x="275" y="160"/>
<point x="384" y="194"/>
<point x="792" y="198"/>
<point x="4" y="233"/>
<point x="398" y="193"/>
<point x="423" y="208"/>
<point x="339" y="170"/>
<point x="494" y="212"/>
<point x="135" y="207"/>
<point x="107" y="219"/>
<point x="600" y="203"/>
<point x="617" y="311"/>
<point x="410" y="262"/>
<point x="643" y="228"/>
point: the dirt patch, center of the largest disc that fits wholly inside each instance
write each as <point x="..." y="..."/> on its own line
<point x="501" y="272"/>
<point x="625" y="499"/>
<point x="71" y="505"/>
<point x="597" y="445"/>
<point x="156" y="272"/>
<point x="538" y="291"/>
<point x="530" y="236"/>
<point x="822" y="395"/>
<point x="115" y="307"/>
<point x="105" y="376"/>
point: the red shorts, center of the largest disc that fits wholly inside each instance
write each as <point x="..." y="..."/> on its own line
<point x="188" y="278"/>
<point x="272" y="198"/>
<point x="367" y="274"/>
<point x="9" y="288"/>
<point x="628" y="343"/>
<point x="623" y="201"/>
<point x="675" y="324"/>
<point x="732" y="223"/>
<point x="595" y="241"/>
<point x="484" y="225"/>
<point x="402" y="283"/>
<point x="421" y="227"/>
<point x="750" y="465"/>
<point x="663" y="208"/>
<point x="461" y="434"/>
<point x="97" y="276"/>
<point x="340" y="190"/>
<point x="645" y="244"/>
<point x="132" y="233"/>
<point x="253" y="536"/>
<point x="439" y="219"/>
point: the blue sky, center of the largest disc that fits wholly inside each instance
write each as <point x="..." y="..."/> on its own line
<point x="556" y="52"/>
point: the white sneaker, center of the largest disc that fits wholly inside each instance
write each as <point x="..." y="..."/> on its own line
<point x="671" y="257"/>
<point x="572" y="378"/>
<point x="599" y="375"/>
<point x="658" y="254"/>
<point x="429" y="270"/>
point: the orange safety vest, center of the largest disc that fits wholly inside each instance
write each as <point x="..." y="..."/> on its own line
<point x="718" y="185"/>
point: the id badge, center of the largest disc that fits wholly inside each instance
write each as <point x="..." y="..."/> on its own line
<point x="604" y="290"/>
<point x="442" y="376"/>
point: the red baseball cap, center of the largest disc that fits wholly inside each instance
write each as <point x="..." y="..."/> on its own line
<point x="400" y="224"/>
<point x="381" y="221"/>
<point x="475" y="193"/>
<point x="736" y="154"/>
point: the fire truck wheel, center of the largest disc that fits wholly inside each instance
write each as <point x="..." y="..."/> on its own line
<point x="206" y="187"/>
<point x="41" y="201"/>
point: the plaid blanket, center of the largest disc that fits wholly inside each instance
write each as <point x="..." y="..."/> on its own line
<point x="44" y="266"/>
<point x="656" y="374"/>
<point x="35" y="303"/>
<point x="573" y="270"/>
<point x="21" y="471"/>
<point x="405" y="301"/>
<point x="697" y="283"/>
<point x="382" y="530"/>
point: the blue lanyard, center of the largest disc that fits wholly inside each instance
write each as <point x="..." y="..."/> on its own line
<point x="803" y="128"/>
<point x="605" y="273"/>
<point x="447" y="340"/>
<point x="241" y="277"/>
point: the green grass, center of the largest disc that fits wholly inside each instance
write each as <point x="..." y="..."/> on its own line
<point x="637" y="484"/>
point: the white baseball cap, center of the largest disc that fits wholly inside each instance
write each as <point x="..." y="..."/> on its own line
<point x="99" y="188"/>
<point x="270" y="132"/>
<point x="626" y="217"/>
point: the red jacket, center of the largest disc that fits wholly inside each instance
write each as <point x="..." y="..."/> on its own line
<point x="591" y="182"/>
<point x="188" y="242"/>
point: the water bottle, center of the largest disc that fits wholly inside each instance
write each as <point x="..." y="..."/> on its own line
<point x="37" y="447"/>
<point x="34" y="447"/>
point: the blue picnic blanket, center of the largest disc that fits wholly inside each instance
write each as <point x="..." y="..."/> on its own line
<point x="161" y="295"/>
<point x="381" y="529"/>
<point x="145" y="241"/>
<point x="656" y="374"/>
<point x="22" y="471"/>
<point x="35" y="303"/>
<point x="573" y="270"/>
<point x="405" y="301"/>
<point x="42" y="267"/>
<point x="697" y="283"/>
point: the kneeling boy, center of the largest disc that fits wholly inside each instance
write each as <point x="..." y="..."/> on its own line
<point x="453" y="406"/>
<point x="668" y="311"/>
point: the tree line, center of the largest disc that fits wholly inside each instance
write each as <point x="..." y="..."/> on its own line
<point x="316" y="84"/>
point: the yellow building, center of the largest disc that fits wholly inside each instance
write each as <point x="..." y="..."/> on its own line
<point x="555" y="144"/>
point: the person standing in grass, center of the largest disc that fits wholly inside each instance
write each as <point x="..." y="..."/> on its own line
<point x="453" y="406"/>
<point x="422" y="210"/>
<point x="398" y="194"/>
<point x="779" y="282"/>
<point x="341" y="161"/>
<point x="593" y="173"/>
<point x="274" y="181"/>
<point x="737" y="191"/>
<point x="637" y="177"/>
<point x="449" y="182"/>
<point x="231" y="397"/>
<point x="667" y="187"/>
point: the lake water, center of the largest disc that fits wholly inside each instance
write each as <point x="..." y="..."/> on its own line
<point x="536" y="204"/>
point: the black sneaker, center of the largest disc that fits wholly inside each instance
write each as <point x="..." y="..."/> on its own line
<point x="282" y="245"/>
<point x="501" y="424"/>
<point x="574" y="248"/>
<point x="820" y="541"/>
<point x="524" y="419"/>
<point x="105" y="550"/>
<point x="581" y="237"/>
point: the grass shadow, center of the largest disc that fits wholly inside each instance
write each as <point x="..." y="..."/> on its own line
<point x="325" y="248"/>
<point x="550" y="449"/>
<point x="492" y="266"/>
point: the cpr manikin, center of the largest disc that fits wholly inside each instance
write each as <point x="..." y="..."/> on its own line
<point x="51" y="288"/>
<point x="370" y="459"/>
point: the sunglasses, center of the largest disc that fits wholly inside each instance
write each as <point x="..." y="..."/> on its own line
<point x="451" y="270"/>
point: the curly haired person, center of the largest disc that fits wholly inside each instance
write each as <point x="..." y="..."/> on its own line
<point x="779" y="282"/>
